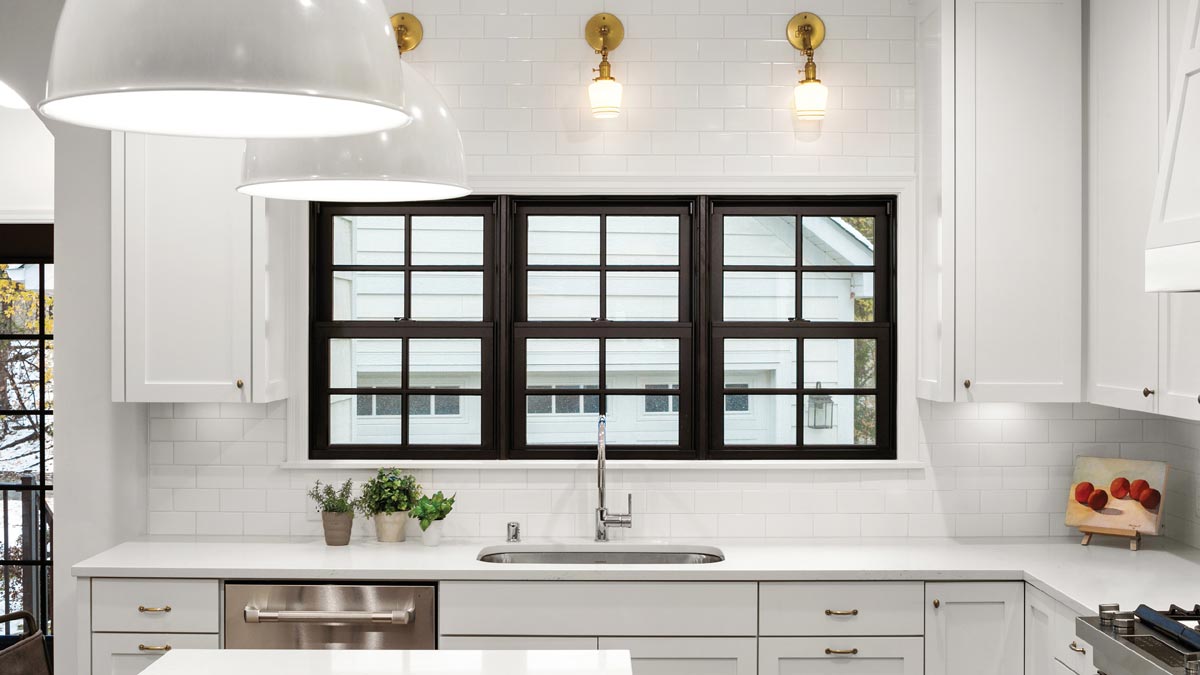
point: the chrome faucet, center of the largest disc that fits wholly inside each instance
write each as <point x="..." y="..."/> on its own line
<point x="604" y="519"/>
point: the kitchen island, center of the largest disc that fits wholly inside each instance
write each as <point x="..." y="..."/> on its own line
<point x="389" y="662"/>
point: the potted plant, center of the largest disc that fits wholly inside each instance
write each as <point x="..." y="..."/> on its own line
<point x="432" y="512"/>
<point x="388" y="497"/>
<point x="337" y="510"/>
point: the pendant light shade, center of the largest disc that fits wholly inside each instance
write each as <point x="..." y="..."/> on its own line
<point x="422" y="161"/>
<point x="226" y="68"/>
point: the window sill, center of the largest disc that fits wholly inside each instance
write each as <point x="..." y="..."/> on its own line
<point x="647" y="465"/>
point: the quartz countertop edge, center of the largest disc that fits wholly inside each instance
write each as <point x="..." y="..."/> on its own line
<point x="1165" y="571"/>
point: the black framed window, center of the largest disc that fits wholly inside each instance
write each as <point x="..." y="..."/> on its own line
<point x="701" y="327"/>
<point x="802" y="329"/>
<point x="26" y="422"/>
<point x="402" y="346"/>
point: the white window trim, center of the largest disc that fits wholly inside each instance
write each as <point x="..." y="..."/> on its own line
<point x="908" y="451"/>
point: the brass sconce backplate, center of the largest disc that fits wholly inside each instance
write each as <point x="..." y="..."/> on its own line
<point x="795" y="30"/>
<point x="604" y="32"/>
<point x="409" y="31"/>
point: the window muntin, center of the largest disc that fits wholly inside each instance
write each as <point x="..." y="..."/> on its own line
<point x="603" y="311"/>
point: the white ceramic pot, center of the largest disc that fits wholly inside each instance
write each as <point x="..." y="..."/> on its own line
<point x="433" y="535"/>
<point x="390" y="526"/>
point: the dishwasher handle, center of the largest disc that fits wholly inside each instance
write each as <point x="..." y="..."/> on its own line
<point x="398" y="616"/>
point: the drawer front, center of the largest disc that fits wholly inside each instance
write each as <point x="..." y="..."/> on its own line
<point x="131" y="653"/>
<point x="598" y="608"/>
<point x="141" y="605"/>
<point x="689" y="656"/>
<point x="509" y="642"/>
<point x="841" y="656"/>
<point x="1070" y="650"/>
<point x="844" y="608"/>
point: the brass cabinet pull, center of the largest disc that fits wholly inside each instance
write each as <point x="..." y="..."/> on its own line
<point x="240" y="384"/>
<point x="154" y="648"/>
<point x="144" y="609"/>
<point x="1147" y="392"/>
<point x="841" y="652"/>
<point x="1076" y="648"/>
<point x="937" y="603"/>
<point x="967" y="384"/>
<point x="841" y="612"/>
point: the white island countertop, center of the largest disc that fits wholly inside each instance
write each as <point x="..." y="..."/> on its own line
<point x="1163" y="572"/>
<point x="388" y="662"/>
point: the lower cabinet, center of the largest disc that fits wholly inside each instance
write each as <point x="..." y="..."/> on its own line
<point x="515" y="642"/>
<point x="688" y="656"/>
<point x="975" y="628"/>
<point x="131" y="653"/>
<point x="841" y="656"/>
<point x="1051" y="647"/>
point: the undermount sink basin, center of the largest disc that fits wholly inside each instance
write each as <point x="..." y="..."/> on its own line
<point x="601" y="554"/>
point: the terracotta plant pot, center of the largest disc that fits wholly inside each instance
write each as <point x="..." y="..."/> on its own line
<point x="337" y="527"/>
<point x="389" y="527"/>
<point x="433" y="535"/>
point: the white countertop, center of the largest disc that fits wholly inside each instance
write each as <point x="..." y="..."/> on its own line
<point x="1163" y="572"/>
<point x="388" y="662"/>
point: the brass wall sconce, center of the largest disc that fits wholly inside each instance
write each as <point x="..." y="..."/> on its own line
<point x="604" y="33"/>
<point x="806" y="32"/>
<point x="409" y="31"/>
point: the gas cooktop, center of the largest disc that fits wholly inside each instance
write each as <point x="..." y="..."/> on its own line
<point x="1145" y="641"/>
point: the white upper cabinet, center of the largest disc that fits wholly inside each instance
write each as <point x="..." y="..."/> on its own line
<point x="1127" y="104"/>
<point x="1018" y="200"/>
<point x="199" y="273"/>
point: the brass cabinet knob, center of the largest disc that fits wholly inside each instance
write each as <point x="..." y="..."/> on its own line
<point x="1074" y="646"/>
<point x="1147" y="392"/>
<point x="240" y="384"/>
<point x="937" y="603"/>
<point x="967" y="384"/>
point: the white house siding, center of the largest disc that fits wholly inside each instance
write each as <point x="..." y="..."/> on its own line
<point x="573" y="364"/>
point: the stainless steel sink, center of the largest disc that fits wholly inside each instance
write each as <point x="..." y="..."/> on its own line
<point x="601" y="554"/>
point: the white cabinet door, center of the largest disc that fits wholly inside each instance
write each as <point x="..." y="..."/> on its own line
<point x="186" y="235"/>
<point x="1018" y="200"/>
<point x="1041" y="617"/>
<point x="131" y="653"/>
<point x="1127" y="108"/>
<point x="515" y="642"/>
<point x="841" y="656"/>
<point x="689" y="656"/>
<point x="1059" y="669"/>
<point x="975" y="628"/>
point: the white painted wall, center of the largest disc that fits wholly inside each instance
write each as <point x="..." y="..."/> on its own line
<point x="26" y="167"/>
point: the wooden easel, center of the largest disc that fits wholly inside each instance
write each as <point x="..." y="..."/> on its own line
<point x="1135" y="537"/>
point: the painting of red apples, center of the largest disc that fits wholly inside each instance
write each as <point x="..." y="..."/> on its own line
<point x="1117" y="494"/>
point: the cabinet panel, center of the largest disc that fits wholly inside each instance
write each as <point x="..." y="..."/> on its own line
<point x="1041" y="621"/>
<point x="1068" y="649"/>
<point x="975" y="628"/>
<point x="1019" y="194"/>
<point x="515" y="642"/>
<point x="142" y="605"/>
<point x="187" y="256"/>
<point x="1179" y="368"/>
<point x="689" y="656"/>
<point x="598" y="608"/>
<point x="813" y="656"/>
<point x="1127" y="106"/>
<point x="131" y="653"/>
<point x="850" y="608"/>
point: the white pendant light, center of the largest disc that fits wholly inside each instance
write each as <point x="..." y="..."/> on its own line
<point x="9" y="98"/>
<point x="422" y="161"/>
<point x="226" y="68"/>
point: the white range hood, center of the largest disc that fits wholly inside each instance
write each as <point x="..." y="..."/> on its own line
<point x="1173" y="241"/>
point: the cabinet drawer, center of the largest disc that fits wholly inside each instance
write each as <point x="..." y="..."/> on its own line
<point x="1070" y="650"/>
<point x="847" y="608"/>
<point x="597" y="608"/>
<point x="504" y="642"/>
<point x="155" y="605"/>
<point x="131" y="653"/>
<point x="841" y="656"/>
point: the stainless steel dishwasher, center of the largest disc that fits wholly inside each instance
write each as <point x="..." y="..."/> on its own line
<point x="329" y="616"/>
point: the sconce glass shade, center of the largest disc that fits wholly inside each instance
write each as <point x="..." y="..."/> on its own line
<point x="422" y="161"/>
<point x="606" y="98"/>
<point x="9" y="98"/>
<point x="811" y="98"/>
<point x="226" y="68"/>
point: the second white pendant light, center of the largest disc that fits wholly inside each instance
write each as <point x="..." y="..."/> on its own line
<point x="226" y="68"/>
<point x="422" y="161"/>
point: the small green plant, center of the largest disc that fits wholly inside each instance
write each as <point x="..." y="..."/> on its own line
<point x="390" y="491"/>
<point x="331" y="500"/>
<point x="429" y="509"/>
